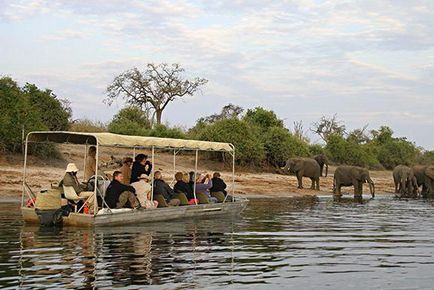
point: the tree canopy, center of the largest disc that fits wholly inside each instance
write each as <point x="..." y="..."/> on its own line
<point x="153" y="88"/>
<point x="28" y="108"/>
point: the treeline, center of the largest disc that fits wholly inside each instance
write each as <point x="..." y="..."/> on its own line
<point x="259" y="135"/>
<point x="28" y="108"/>
<point x="261" y="138"/>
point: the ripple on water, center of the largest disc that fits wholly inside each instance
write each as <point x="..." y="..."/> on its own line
<point x="383" y="243"/>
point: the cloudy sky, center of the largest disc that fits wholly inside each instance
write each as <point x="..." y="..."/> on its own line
<point x="371" y="62"/>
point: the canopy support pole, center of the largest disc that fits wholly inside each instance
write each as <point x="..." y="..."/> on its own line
<point x="134" y="152"/>
<point x="195" y="176"/>
<point x="85" y="157"/>
<point x="152" y="174"/>
<point x="95" y="201"/>
<point x="174" y="161"/>
<point x="24" y="170"/>
<point x="233" y="175"/>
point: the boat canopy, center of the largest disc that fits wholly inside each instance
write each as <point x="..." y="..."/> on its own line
<point x="116" y="140"/>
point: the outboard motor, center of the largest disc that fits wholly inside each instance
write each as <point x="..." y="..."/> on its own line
<point x="48" y="207"/>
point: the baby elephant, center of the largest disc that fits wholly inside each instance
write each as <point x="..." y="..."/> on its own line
<point x="405" y="181"/>
<point x="304" y="167"/>
<point x="352" y="175"/>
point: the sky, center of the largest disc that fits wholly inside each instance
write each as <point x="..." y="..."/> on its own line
<point x="370" y="62"/>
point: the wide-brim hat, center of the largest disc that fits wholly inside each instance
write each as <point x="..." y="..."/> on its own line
<point x="143" y="176"/>
<point x="71" y="168"/>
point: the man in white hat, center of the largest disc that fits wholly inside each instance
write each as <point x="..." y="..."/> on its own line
<point x="143" y="192"/>
<point x="70" y="179"/>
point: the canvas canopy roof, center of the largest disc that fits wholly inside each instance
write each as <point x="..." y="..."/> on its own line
<point x="115" y="140"/>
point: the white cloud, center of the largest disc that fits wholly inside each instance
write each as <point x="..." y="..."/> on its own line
<point x="319" y="56"/>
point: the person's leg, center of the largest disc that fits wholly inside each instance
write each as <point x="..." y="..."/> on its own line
<point x="174" y="202"/>
<point x="134" y="202"/>
<point x="161" y="201"/>
<point x="123" y="198"/>
<point x="219" y="195"/>
<point x="182" y="198"/>
<point x="203" y="199"/>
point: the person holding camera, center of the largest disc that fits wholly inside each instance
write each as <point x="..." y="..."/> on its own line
<point x="141" y="166"/>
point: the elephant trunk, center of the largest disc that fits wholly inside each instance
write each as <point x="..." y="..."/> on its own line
<point x="371" y="187"/>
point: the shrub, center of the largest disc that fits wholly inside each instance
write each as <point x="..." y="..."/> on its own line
<point x="343" y="151"/>
<point x="86" y="125"/>
<point x="316" y="149"/>
<point x="28" y="109"/>
<point x="245" y="138"/>
<point x="262" y="118"/>
<point x="163" y="131"/>
<point x="280" y="145"/>
<point x="130" y="121"/>
<point x="395" y="152"/>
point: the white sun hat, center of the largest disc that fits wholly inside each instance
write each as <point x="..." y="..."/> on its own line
<point x="71" y="168"/>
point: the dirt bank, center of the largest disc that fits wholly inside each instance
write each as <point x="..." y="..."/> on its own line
<point x="42" y="173"/>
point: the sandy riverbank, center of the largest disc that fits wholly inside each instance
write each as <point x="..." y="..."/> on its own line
<point x="42" y="173"/>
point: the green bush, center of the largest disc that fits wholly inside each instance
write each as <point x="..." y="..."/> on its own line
<point x="397" y="152"/>
<point x="130" y="121"/>
<point x="342" y="151"/>
<point x="86" y="125"/>
<point x="280" y="145"/>
<point x="163" y="131"/>
<point x="245" y="138"/>
<point x="426" y="158"/>
<point x="316" y="149"/>
<point x="28" y="108"/>
<point x="262" y="118"/>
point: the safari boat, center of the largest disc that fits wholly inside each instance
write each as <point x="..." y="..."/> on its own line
<point x="105" y="216"/>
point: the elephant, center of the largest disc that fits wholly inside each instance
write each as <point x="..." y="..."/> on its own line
<point x="304" y="167"/>
<point x="419" y="173"/>
<point x="322" y="160"/>
<point x="429" y="182"/>
<point x="352" y="175"/>
<point x="405" y="181"/>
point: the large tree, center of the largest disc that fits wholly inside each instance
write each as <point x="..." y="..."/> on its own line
<point x="154" y="88"/>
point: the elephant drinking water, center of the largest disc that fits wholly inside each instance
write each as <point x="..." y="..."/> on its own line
<point x="405" y="181"/>
<point x="304" y="167"/>
<point x="352" y="176"/>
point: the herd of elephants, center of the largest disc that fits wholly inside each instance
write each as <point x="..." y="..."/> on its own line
<point x="410" y="182"/>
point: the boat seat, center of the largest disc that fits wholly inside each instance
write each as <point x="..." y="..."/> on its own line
<point x="71" y="195"/>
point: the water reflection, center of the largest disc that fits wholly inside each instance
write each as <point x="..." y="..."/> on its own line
<point x="280" y="243"/>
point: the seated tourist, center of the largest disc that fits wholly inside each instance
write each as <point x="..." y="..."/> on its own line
<point x="119" y="195"/>
<point x="126" y="170"/>
<point x="191" y="180"/>
<point x="218" y="189"/>
<point x="141" y="166"/>
<point x="163" y="193"/>
<point x="143" y="192"/>
<point x="182" y="189"/>
<point x="70" y="179"/>
<point x="203" y="184"/>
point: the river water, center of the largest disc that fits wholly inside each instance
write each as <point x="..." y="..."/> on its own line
<point x="276" y="243"/>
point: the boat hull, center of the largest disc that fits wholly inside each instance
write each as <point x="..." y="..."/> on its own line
<point x="145" y="215"/>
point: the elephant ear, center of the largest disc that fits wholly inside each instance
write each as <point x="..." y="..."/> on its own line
<point x="429" y="171"/>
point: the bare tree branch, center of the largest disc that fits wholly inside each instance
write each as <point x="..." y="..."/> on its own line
<point x="156" y="86"/>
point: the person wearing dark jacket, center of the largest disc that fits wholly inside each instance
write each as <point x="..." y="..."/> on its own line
<point x="218" y="189"/>
<point x="141" y="166"/>
<point x="163" y="193"/>
<point x="118" y="194"/>
<point x="182" y="186"/>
